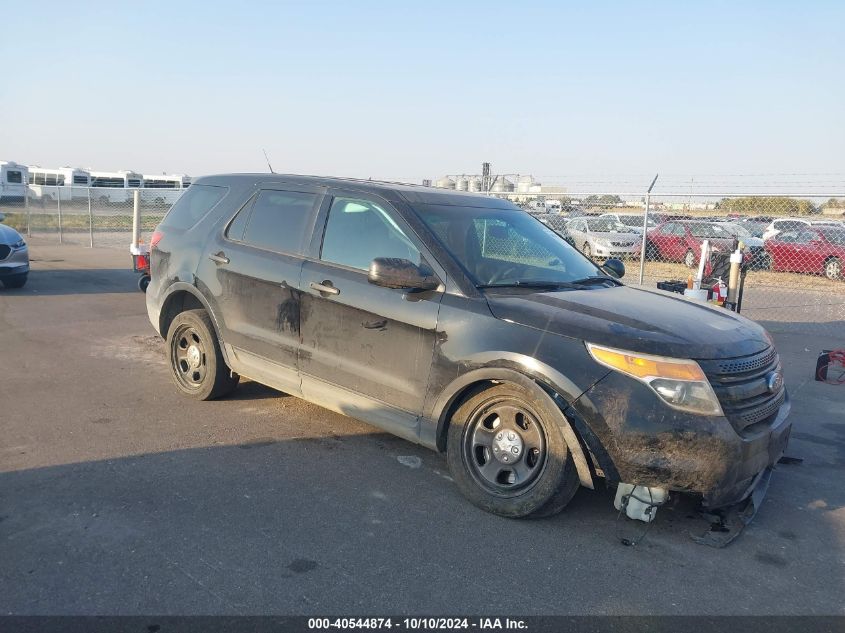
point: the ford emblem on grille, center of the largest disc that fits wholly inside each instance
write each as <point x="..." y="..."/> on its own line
<point x="774" y="381"/>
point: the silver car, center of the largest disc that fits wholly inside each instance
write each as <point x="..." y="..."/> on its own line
<point x="14" y="257"/>
<point x="604" y="237"/>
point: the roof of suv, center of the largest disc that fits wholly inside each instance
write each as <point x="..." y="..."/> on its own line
<point x="411" y="193"/>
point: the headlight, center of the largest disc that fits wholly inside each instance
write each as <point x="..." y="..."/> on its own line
<point x="602" y="242"/>
<point x="679" y="383"/>
<point x="19" y="244"/>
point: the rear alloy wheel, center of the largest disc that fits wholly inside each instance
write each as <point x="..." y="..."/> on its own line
<point x="689" y="259"/>
<point x="587" y="250"/>
<point x="833" y="268"/>
<point x="507" y="454"/>
<point x="196" y="361"/>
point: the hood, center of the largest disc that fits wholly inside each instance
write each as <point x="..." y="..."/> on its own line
<point x="8" y="235"/>
<point x="618" y="237"/>
<point x="647" y="321"/>
<point x="752" y="242"/>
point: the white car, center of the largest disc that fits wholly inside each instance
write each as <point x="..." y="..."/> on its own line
<point x="632" y="221"/>
<point x="793" y="224"/>
<point x="604" y="237"/>
<point x="14" y="258"/>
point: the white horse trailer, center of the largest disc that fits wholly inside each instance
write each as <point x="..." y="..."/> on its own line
<point x="13" y="179"/>
<point x="115" y="186"/>
<point x="65" y="183"/>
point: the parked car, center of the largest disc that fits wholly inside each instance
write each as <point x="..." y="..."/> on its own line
<point x="680" y="240"/>
<point x="14" y="257"/>
<point x="810" y="249"/>
<point x="794" y="224"/>
<point x="604" y="237"/>
<point x="755" y="250"/>
<point x="460" y="322"/>
<point x="632" y="221"/>
<point x="556" y="223"/>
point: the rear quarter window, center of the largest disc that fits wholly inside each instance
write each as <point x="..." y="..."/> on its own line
<point x="192" y="206"/>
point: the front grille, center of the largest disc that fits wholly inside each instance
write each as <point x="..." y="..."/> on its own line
<point x="622" y="244"/>
<point x="741" y="384"/>
<point x="5" y="249"/>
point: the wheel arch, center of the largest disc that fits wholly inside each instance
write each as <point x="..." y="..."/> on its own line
<point x="452" y="397"/>
<point x="181" y="297"/>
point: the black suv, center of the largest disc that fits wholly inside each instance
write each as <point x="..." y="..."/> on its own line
<point x="460" y="322"/>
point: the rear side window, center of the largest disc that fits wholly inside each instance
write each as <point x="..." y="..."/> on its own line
<point x="192" y="206"/>
<point x="280" y="220"/>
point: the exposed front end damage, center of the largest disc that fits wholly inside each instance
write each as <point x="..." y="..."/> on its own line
<point x="725" y="459"/>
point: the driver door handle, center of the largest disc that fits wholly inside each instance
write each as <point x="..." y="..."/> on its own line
<point x="219" y="258"/>
<point x="326" y="287"/>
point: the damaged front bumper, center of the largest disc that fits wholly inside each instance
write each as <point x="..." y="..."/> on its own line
<point x="634" y="438"/>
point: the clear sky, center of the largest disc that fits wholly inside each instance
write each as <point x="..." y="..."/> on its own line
<point x="416" y="89"/>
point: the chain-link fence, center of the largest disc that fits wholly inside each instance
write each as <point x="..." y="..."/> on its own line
<point x="89" y="216"/>
<point x="793" y="247"/>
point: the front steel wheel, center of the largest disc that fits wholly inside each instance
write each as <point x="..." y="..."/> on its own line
<point x="504" y="447"/>
<point x="196" y="361"/>
<point x="507" y="454"/>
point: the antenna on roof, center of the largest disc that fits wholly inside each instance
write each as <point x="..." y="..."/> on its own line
<point x="268" y="161"/>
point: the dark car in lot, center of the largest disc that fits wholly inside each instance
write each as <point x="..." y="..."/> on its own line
<point x="460" y="322"/>
<point x="819" y="250"/>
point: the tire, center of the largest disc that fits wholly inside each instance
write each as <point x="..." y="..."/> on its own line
<point x="196" y="362"/>
<point x="476" y="453"/>
<point x="143" y="282"/>
<point x="689" y="259"/>
<point x="651" y="252"/>
<point x="833" y="268"/>
<point x="15" y="281"/>
<point x="586" y="250"/>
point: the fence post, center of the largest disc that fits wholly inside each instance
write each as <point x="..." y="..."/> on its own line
<point x="90" y="221"/>
<point x="136" y="217"/>
<point x="59" y="207"/>
<point x="26" y="208"/>
<point x="645" y="228"/>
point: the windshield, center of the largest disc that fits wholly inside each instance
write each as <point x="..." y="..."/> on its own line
<point x="635" y="221"/>
<point x="707" y="230"/>
<point x="606" y="225"/>
<point x="834" y="235"/>
<point x="737" y="231"/>
<point x="504" y="246"/>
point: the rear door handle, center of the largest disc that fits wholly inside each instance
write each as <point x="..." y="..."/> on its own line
<point x="326" y="287"/>
<point x="219" y="258"/>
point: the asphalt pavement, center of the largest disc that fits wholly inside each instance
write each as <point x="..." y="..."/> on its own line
<point x="119" y="496"/>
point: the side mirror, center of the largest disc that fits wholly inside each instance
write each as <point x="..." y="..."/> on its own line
<point x="615" y="267"/>
<point x="393" y="272"/>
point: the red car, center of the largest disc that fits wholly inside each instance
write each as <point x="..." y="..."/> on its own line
<point x="819" y="250"/>
<point x="680" y="240"/>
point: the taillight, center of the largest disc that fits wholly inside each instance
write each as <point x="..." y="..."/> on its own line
<point x="155" y="239"/>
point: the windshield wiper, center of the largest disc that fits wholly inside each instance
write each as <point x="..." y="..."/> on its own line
<point x="531" y="283"/>
<point x="596" y="279"/>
